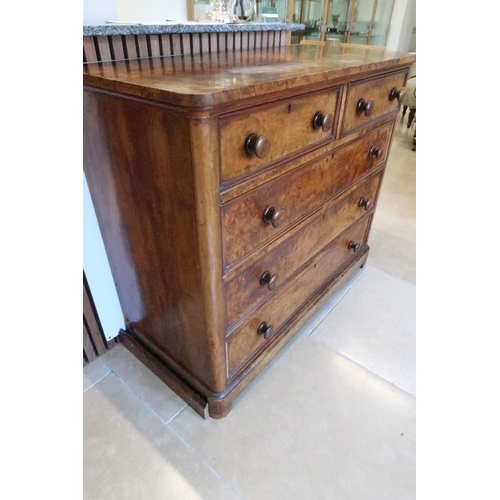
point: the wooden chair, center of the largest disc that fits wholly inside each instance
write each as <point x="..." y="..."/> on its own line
<point x="414" y="124"/>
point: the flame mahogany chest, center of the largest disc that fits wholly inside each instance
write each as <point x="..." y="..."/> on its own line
<point x="235" y="194"/>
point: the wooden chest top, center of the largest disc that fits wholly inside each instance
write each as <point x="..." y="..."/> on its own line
<point x="213" y="79"/>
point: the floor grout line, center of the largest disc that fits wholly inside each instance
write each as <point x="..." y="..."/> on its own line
<point x="141" y="400"/>
<point x="177" y="414"/>
<point x="170" y="429"/>
<point x="363" y="367"/>
<point x="102" y="378"/>
<point x="195" y="451"/>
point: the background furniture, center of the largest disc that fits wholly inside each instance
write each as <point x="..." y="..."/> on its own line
<point x="350" y="21"/>
<point x="235" y="194"/>
<point x="363" y="22"/>
<point x="414" y="144"/>
<point x="410" y="100"/>
<point x="410" y="104"/>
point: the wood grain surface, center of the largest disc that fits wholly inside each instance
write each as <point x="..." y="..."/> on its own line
<point x="181" y="205"/>
<point x="287" y="125"/>
<point x="135" y="159"/>
<point x="276" y="311"/>
<point x="296" y="194"/>
<point x="205" y="81"/>
<point x="244" y="292"/>
<point x="377" y="90"/>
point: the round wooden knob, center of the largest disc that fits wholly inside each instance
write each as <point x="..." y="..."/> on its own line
<point x="257" y="145"/>
<point x="365" y="106"/>
<point x="269" y="279"/>
<point x="353" y="246"/>
<point x="272" y="216"/>
<point x="367" y="204"/>
<point x="397" y="94"/>
<point x="376" y="153"/>
<point x="266" y="330"/>
<point x="325" y="122"/>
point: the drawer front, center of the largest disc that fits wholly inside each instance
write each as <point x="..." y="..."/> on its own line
<point x="375" y="91"/>
<point x="295" y="194"/>
<point x="246" y="339"/>
<point x="256" y="283"/>
<point x="277" y="130"/>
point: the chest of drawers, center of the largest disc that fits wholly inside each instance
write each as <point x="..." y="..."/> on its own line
<point x="235" y="194"/>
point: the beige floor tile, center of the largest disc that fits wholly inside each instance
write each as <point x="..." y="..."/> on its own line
<point x="396" y="208"/>
<point x="395" y="212"/>
<point x="403" y="134"/>
<point x="94" y="372"/>
<point x="401" y="182"/>
<point x="391" y="223"/>
<point x="396" y="256"/>
<point x="144" y="383"/>
<point x="314" y="425"/>
<point x="393" y="234"/>
<point x="401" y="164"/>
<point x="129" y="454"/>
<point x="374" y="325"/>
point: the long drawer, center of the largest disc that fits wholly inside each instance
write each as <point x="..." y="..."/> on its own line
<point x="268" y="319"/>
<point x="269" y="210"/>
<point x="276" y="131"/>
<point x="370" y="99"/>
<point x="260" y="280"/>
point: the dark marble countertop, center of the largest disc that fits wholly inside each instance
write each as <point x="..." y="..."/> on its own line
<point x="160" y="29"/>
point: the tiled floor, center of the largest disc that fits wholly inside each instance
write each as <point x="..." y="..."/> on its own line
<point x="332" y="417"/>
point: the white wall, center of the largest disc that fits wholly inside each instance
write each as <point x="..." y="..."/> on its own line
<point x="403" y="22"/>
<point x="98" y="272"/>
<point x="133" y="11"/>
<point x="151" y="11"/>
<point x="98" y="11"/>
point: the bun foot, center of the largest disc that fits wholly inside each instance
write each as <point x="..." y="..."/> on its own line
<point x="220" y="408"/>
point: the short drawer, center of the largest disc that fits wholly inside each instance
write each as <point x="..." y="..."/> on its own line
<point x="267" y="320"/>
<point x="267" y="211"/>
<point x="253" y="138"/>
<point x="266" y="276"/>
<point x="370" y="99"/>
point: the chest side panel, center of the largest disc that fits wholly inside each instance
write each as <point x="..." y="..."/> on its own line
<point x="139" y="166"/>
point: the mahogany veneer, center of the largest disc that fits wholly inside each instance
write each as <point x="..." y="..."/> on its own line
<point x="235" y="194"/>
